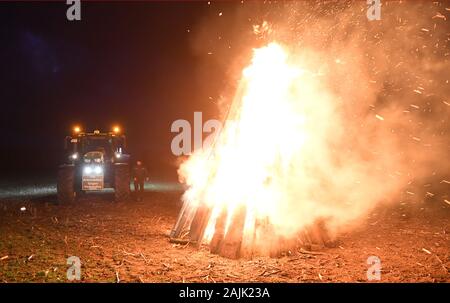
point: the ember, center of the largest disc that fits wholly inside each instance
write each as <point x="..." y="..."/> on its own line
<point x="313" y="141"/>
<point x="268" y="183"/>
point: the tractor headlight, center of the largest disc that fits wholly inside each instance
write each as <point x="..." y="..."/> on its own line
<point x="98" y="170"/>
<point x="74" y="156"/>
<point x="87" y="170"/>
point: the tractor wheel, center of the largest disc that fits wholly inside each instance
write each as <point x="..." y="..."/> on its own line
<point x="121" y="182"/>
<point x="66" y="184"/>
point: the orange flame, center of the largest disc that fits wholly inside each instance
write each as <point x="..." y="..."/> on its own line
<point x="280" y="153"/>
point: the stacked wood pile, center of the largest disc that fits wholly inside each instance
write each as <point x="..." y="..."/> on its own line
<point x="231" y="243"/>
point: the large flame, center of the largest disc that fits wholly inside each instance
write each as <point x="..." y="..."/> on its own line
<point x="276" y="154"/>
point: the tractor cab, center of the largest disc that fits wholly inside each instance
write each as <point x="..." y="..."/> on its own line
<point x="94" y="161"/>
<point x="111" y="145"/>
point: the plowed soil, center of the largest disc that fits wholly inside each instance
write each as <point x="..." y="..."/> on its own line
<point x="127" y="242"/>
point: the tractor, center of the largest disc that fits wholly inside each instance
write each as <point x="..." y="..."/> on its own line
<point x="93" y="162"/>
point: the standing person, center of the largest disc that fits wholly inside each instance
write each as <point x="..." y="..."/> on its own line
<point x="140" y="174"/>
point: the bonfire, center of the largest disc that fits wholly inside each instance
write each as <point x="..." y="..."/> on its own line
<point x="244" y="191"/>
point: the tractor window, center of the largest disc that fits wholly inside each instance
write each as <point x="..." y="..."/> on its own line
<point x="118" y="144"/>
<point x="70" y="144"/>
<point x="95" y="143"/>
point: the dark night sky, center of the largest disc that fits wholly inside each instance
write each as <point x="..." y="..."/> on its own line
<point x="137" y="64"/>
<point x="144" y="65"/>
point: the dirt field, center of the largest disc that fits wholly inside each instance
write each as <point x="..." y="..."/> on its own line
<point x="128" y="242"/>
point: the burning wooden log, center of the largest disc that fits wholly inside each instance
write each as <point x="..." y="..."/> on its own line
<point x="219" y="232"/>
<point x="181" y="221"/>
<point x="232" y="240"/>
<point x="199" y="223"/>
